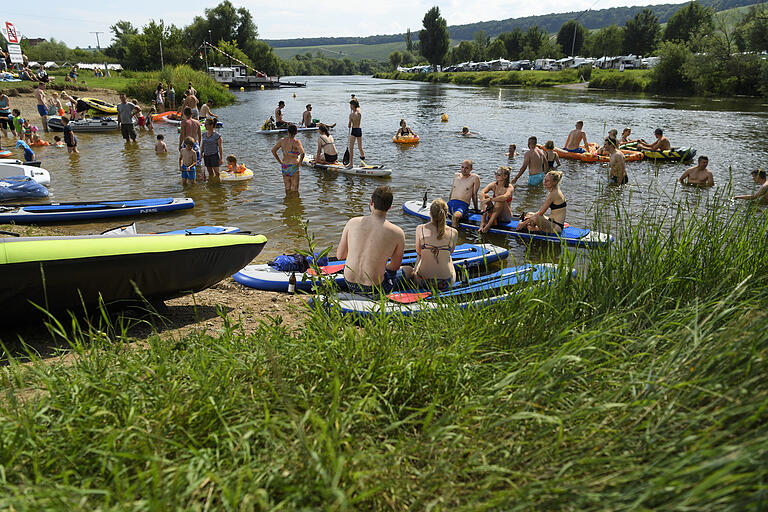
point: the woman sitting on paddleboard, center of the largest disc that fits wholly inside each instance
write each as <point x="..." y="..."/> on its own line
<point x="555" y="202"/>
<point x="293" y="154"/>
<point x="326" y="149"/>
<point x="435" y="243"/>
<point x="404" y="131"/>
<point x="496" y="207"/>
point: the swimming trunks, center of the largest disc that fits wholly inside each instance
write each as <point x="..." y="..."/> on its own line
<point x="457" y="205"/>
<point x="188" y="173"/>
<point x="357" y="132"/>
<point x="551" y="164"/>
<point x="290" y="169"/>
<point x="536" y="179"/>
<point x="577" y="150"/>
<point x="389" y="282"/>
<point x="615" y="180"/>
<point x="331" y="159"/>
<point x="42" y="110"/>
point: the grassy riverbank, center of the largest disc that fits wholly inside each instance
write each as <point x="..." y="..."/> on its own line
<point x="630" y="80"/>
<point x="638" y="385"/>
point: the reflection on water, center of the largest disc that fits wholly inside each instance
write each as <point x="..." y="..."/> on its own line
<point x="108" y="168"/>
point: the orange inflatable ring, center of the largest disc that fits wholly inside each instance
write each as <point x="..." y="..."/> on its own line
<point x="40" y="143"/>
<point x="411" y="139"/>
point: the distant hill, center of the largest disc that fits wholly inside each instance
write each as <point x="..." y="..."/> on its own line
<point x="549" y="22"/>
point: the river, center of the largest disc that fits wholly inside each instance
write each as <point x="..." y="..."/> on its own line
<point x="731" y="132"/>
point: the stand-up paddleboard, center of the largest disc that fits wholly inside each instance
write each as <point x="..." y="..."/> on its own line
<point x="236" y="176"/>
<point x="358" y="170"/>
<point x="285" y="130"/>
<point x="61" y="212"/>
<point x="41" y="176"/>
<point x="570" y="235"/>
<point x="475" y="292"/>
<point x="130" y="229"/>
<point x="4" y="153"/>
<point x="265" y="277"/>
<point x="72" y="272"/>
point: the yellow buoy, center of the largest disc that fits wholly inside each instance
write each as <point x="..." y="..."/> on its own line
<point x="226" y="86"/>
<point x="444" y="118"/>
<point x="262" y="87"/>
<point x="242" y="88"/>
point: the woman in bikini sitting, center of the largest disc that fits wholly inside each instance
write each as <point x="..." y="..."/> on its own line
<point x="435" y="243"/>
<point x="554" y="202"/>
<point x="496" y="207"/>
<point x="326" y="149"/>
<point x="293" y="155"/>
<point x="404" y="131"/>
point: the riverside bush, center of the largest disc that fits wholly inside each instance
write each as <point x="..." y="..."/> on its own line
<point x="207" y="88"/>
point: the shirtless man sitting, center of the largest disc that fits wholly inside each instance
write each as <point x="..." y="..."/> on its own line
<point x="534" y="160"/>
<point x="465" y="186"/>
<point x="575" y="138"/>
<point x="699" y="175"/>
<point x="306" y="118"/>
<point x="279" y="115"/>
<point x="661" y="144"/>
<point x="205" y="110"/>
<point x="367" y="242"/>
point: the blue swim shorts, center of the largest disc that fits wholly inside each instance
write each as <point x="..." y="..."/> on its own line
<point x="456" y="205"/>
<point x="42" y="110"/>
<point x="577" y="150"/>
<point x="536" y="179"/>
<point x="189" y="173"/>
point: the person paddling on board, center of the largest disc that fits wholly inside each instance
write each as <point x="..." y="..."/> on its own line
<point x="356" y="133"/>
<point x="698" y="175"/>
<point x="496" y="207"/>
<point x="279" y="123"/>
<point x="326" y="148"/>
<point x="554" y="202"/>
<point x="435" y="243"/>
<point x="404" y="131"/>
<point x="575" y="137"/>
<point x="367" y="243"/>
<point x="662" y="143"/>
<point x="534" y="161"/>
<point x="617" y="163"/>
<point x="464" y="188"/>
<point x="759" y="177"/>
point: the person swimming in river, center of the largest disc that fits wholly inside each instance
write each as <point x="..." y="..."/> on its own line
<point x="698" y="175"/>
<point x="759" y="177"/>
<point x="554" y="202"/>
<point x="466" y="133"/>
<point x="404" y="131"/>
<point x="512" y="151"/>
<point x="553" y="161"/>
<point x="496" y="207"/>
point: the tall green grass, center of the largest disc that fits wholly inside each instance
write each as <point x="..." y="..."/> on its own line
<point x="639" y="385"/>
<point x="490" y="78"/>
<point x="207" y="88"/>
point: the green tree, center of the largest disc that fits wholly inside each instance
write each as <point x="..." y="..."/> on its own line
<point x="395" y="58"/>
<point x="121" y="32"/>
<point x="667" y="75"/>
<point x="570" y="37"/>
<point x="496" y="50"/>
<point x="408" y="40"/>
<point x="641" y="33"/>
<point x="230" y="48"/>
<point x="514" y="42"/>
<point x="408" y="59"/>
<point x="224" y="22"/>
<point x="264" y="58"/>
<point x="688" y="21"/>
<point x="752" y="31"/>
<point x="608" y="41"/>
<point x="462" y="52"/>
<point x="535" y="38"/>
<point x="433" y="38"/>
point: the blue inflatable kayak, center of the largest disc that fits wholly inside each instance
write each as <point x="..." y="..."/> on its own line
<point x="266" y="277"/>
<point x="21" y="187"/>
<point x="570" y="235"/>
<point x="477" y="291"/>
<point x="61" y="212"/>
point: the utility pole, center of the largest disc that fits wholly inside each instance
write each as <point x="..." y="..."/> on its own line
<point x="161" y="54"/>
<point x="98" y="47"/>
<point x="206" y="51"/>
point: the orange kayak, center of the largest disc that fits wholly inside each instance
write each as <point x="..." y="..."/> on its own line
<point x="161" y="116"/>
<point x="592" y="156"/>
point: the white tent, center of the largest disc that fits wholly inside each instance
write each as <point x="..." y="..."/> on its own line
<point x="34" y="64"/>
<point x="50" y="65"/>
<point x="114" y="67"/>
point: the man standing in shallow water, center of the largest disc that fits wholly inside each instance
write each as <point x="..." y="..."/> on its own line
<point x="355" y="117"/>
<point x="464" y="187"/>
<point x="534" y="160"/>
<point x="367" y="242"/>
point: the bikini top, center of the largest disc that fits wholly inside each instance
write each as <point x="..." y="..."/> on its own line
<point x="290" y="152"/>
<point x="326" y="142"/>
<point x="554" y="206"/>
<point x="405" y="131"/>
<point x="508" y="200"/>
<point x="435" y="249"/>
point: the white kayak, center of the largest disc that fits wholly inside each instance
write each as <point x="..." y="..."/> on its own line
<point x="358" y="170"/>
<point x="236" y="176"/>
<point x="92" y="124"/>
<point x="9" y="169"/>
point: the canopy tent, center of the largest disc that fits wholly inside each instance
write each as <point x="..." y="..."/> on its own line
<point x="50" y="65"/>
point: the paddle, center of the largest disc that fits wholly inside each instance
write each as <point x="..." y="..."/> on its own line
<point x="327" y="269"/>
<point x="346" y="154"/>
<point x="408" y="297"/>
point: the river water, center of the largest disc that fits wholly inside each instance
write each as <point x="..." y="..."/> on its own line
<point x="731" y="132"/>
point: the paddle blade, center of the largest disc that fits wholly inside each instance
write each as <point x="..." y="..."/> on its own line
<point x="408" y="297"/>
<point x="327" y="270"/>
<point x="346" y="157"/>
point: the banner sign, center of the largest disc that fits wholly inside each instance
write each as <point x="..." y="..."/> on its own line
<point x="14" y="50"/>
<point x="10" y="33"/>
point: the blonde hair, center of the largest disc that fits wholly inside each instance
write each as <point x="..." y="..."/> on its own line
<point x="556" y="176"/>
<point x="438" y="212"/>
<point x="507" y="170"/>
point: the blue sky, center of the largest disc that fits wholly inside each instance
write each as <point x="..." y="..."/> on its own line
<point x="73" y="22"/>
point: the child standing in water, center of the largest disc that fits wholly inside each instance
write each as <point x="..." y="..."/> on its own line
<point x="160" y="146"/>
<point x="553" y="161"/>
<point x="69" y="136"/>
<point x="188" y="162"/>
